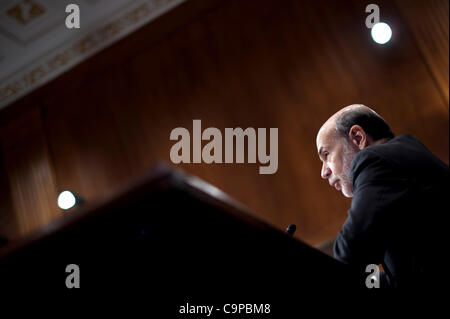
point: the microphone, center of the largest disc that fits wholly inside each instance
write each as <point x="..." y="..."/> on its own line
<point x="290" y="230"/>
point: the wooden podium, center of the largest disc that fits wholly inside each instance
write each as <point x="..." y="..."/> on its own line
<point x="179" y="239"/>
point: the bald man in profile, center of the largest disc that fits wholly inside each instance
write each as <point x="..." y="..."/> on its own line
<point x="399" y="192"/>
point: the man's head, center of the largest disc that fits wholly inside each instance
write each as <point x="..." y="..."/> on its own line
<point x="342" y="136"/>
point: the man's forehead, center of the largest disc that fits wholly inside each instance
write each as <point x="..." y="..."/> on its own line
<point x="324" y="136"/>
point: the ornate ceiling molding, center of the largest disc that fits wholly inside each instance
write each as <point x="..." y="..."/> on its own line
<point x="70" y="47"/>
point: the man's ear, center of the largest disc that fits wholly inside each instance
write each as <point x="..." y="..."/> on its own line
<point x="358" y="137"/>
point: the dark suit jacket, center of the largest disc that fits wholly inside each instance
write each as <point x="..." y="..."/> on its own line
<point x="400" y="197"/>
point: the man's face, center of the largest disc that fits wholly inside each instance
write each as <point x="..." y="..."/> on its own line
<point x="336" y="154"/>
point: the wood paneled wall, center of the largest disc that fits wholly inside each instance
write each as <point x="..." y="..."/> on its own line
<point x="28" y="166"/>
<point x="428" y="21"/>
<point x="287" y="64"/>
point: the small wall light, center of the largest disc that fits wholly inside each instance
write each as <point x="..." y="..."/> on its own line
<point x="67" y="200"/>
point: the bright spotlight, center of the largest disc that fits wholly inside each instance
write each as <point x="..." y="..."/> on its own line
<point x="66" y="200"/>
<point x="381" y="33"/>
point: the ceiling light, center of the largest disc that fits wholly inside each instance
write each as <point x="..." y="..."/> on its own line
<point x="381" y="33"/>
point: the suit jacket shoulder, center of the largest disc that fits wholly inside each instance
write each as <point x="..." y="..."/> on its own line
<point x="404" y="156"/>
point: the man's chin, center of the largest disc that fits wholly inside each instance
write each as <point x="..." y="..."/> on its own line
<point x="347" y="193"/>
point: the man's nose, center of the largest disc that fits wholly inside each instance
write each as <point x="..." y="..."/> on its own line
<point x="326" y="171"/>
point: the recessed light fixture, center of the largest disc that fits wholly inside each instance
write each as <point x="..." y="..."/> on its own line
<point x="67" y="200"/>
<point x="381" y="33"/>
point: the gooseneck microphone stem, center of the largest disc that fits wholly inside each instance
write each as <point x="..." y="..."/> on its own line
<point x="290" y="230"/>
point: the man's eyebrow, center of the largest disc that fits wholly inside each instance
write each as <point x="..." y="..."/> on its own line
<point x="320" y="150"/>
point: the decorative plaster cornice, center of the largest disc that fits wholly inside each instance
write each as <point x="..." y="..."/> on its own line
<point x="73" y="52"/>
